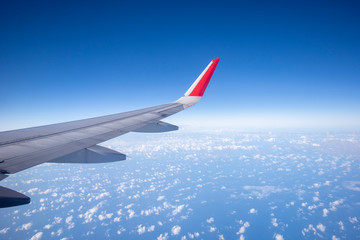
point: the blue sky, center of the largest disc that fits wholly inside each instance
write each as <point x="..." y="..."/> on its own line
<point x="282" y="64"/>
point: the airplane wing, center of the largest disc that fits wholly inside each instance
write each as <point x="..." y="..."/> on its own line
<point x="76" y="141"/>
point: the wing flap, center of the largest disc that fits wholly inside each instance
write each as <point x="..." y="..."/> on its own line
<point x="94" y="154"/>
<point x="157" y="128"/>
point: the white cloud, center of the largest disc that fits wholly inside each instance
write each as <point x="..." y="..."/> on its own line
<point x="352" y="185"/>
<point x="210" y="220"/>
<point x="163" y="236"/>
<point x="37" y="236"/>
<point x="212" y="229"/>
<point x="121" y="230"/>
<point x="131" y="213"/>
<point x="178" y="209"/>
<point x="141" y="229"/>
<point x="325" y="212"/>
<point x="102" y="195"/>
<point x="102" y="217"/>
<point x="321" y="227"/>
<point x="336" y="203"/>
<point x="4" y="230"/>
<point x="151" y="228"/>
<point x="25" y="226"/>
<point x="353" y="220"/>
<point x="68" y="221"/>
<point x="253" y="211"/>
<point x="274" y="222"/>
<point x="341" y="225"/>
<point x="262" y="191"/>
<point x="48" y="226"/>
<point x="175" y="230"/>
<point x="32" y="190"/>
<point x="88" y="216"/>
<point x="119" y="212"/>
<point x="129" y="206"/>
<point x="278" y="236"/>
<point x="243" y="228"/>
<point x="160" y="198"/>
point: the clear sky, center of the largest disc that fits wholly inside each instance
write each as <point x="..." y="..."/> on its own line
<point x="282" y="63"/>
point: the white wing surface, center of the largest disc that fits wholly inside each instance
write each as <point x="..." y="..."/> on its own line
<point x="76" y="141"/>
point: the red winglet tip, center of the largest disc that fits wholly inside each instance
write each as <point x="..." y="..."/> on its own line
<point x="202" y="84"/>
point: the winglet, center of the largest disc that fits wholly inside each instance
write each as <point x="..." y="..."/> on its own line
<point x="197" y="89"/>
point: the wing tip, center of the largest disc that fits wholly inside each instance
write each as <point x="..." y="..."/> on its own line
<point x="216" y="60"/>
<point x="201" y="84"/>
<point x="197" y="89"/>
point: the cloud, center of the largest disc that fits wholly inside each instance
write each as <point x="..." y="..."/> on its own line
<point x="141" y="229"/>
<point x="210" y="220"/>
<point x="102" y="195"/>
<point x="151" y="228"/>
<point x="334" y="204"/>
<point x="175" y="230"/>
<point x="4" y="230"/>
<point x="25" y="226"/>
<point x="121" y="230"/>
<point x="325" y="212"/>
<point x="262" y="191"/>
<point x="88" y="216"/>
<point x="321" y="227"/>
<point x="129" y="206"/>
<point x="243" y="228"/>
<point x="353" y="220"/>
<point x="212" y="229"/>
<point x="278" y="236"/>
<point x="341" y="225"/>
<point x="102" y="217"/>
<point x="193" y="235"/>
<point x="163" y="236"/>
<point x="32" y="190"/>
<point x="352" y="185"/>
<point x="68" y="221"/>
<point x="253" y="211"/>
<point x="274" y="222"/>
<point x="178" y="209"/>
<point x="160" y="198"/>
<point x="131" y="213"/>
<point x="48" y="226"/>
<point x="58" y="232"/>
<point x="37" y="236"/>
<point x="308" y="229"/>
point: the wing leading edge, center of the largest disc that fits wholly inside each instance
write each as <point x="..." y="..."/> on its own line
<point x="76" y="141"/>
